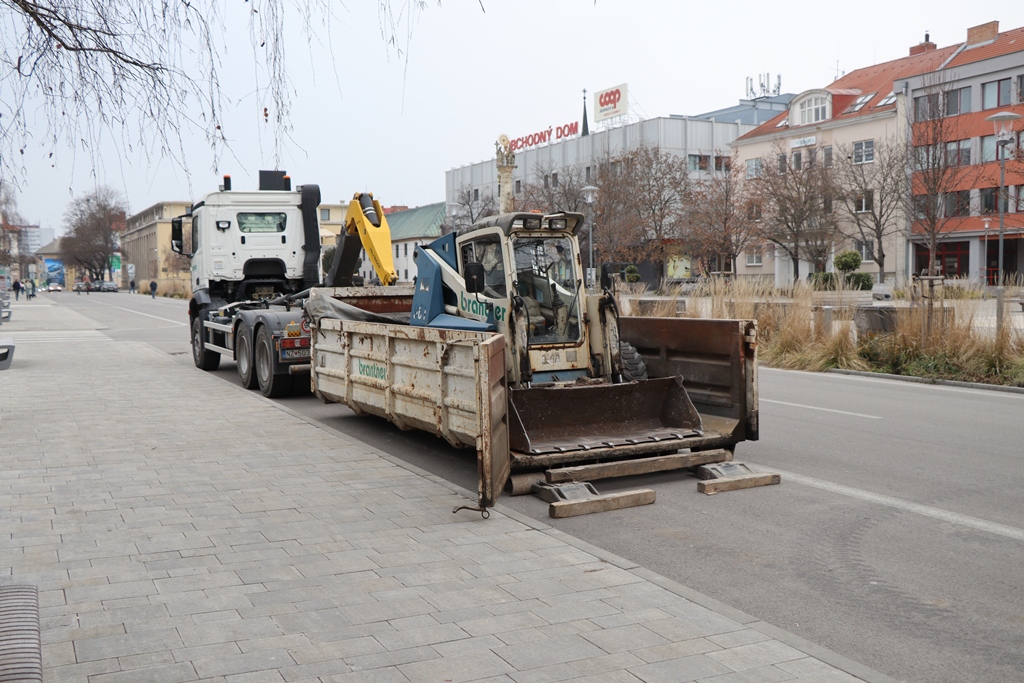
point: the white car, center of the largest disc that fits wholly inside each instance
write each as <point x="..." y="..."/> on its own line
<point x="54" y="287"/>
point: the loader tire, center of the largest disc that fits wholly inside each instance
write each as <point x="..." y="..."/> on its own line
<point x="633" y="366"/>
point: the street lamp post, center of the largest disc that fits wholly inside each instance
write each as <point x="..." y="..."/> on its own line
<point x="1003" y="124"/>
<point x="589" y="195"/>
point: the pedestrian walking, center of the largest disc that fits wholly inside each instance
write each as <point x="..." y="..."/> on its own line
<point x="131" y="287"/>
<point x="17" y="289"/>
<point x="31" y="293"/>
<point x="152" y="288"/>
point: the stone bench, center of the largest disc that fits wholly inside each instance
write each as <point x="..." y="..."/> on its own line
<point x="21" y="659"/>
<point x="6" y="353"/>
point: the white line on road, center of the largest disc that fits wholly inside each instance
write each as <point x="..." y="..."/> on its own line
<point x="900" y="504"/>
<point x="121" y="308"/>
<point x="827" y="410"/>
<point x="988" y="393"/>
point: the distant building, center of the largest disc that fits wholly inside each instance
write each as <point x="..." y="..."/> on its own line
<point x="32" y="238"/>
<point x="702" y="140"/>
<point x="146" y="251"/>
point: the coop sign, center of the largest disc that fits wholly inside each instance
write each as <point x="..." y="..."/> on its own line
<point x="539" y="138"/>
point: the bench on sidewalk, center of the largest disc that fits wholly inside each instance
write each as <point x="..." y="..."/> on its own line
<point x="21" y="658"/>
<point x="6" y="353"/>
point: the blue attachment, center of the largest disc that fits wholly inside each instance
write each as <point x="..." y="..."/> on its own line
<point x="428" y="299"/>
<point x="558" y="376"/>
<point x="452" y="322"/>
<point x="445" y="248"/>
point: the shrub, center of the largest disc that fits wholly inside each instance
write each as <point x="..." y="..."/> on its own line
<point x="632" y="274"/>
<point x="823" y="281"/>
<point x="860" y="281"/>
<point x="847" y="261"/>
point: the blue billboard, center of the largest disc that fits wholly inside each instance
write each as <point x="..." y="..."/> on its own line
<point x="54" y="271"/>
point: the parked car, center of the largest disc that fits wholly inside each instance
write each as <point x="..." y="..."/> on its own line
<point x="54" y="287"/>
<point x="78" y="287"/>
<point x="107" y="286"/>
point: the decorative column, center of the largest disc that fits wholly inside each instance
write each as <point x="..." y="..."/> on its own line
<point x="506" y="160"/>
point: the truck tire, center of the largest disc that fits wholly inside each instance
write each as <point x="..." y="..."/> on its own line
<point x="271" y="385"/>
<point x="204" y="358"/>
<point x="633" y="366"/>
<point x="243" y="357"/>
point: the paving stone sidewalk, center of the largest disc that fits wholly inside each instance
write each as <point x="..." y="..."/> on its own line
<point x="182" y="529"/>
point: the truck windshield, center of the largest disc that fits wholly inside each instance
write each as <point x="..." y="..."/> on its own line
<point x="549" y="284"/>
<point x="262" y="222"/>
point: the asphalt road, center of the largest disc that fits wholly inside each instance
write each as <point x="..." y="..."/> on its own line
<point x="896" y="538"/>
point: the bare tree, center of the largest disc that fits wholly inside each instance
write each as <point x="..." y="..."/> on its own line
<point x="641" y="203"/>
<point x="143" y="71"/>
<point x="872" y="190"/>
<point x="722" y="218"/>
<point x="797" y="193"/>
<point x="94" y="224"/>
<point x="471" y="204"/>
<point x="10" y="219"/>
<point x="939" y="159"/>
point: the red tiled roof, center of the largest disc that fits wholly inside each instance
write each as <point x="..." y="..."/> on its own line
<point x="875" y="79"/>
<point x="1004" y="44"/>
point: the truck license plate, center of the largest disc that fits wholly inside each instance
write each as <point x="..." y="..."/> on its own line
<point x="292" y="354"/>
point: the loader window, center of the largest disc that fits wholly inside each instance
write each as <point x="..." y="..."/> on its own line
<point x="262" y="222"/>
<point x="487" y="251"/>
<point x="549" y="284"/>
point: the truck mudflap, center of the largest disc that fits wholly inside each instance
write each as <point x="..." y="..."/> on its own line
<point x="601" y="417"/>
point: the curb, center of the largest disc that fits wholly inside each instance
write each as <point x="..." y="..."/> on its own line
<point x="827" y="656"/>
<point x="929" y="380"/>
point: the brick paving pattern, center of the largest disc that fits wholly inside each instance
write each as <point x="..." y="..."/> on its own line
<point x="182" y="529"/>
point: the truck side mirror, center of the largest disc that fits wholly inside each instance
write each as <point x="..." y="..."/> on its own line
<point x="176" y="238"/>
<point x="473" y="274"/>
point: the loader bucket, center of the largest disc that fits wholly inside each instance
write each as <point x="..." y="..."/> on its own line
<point x="600" y="416"/>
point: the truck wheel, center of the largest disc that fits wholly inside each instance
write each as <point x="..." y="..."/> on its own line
<point x="271" y="385"/>
<point x="204" y="359"/>
<point x="633" y="366"/>
<point x="243" y="357"/>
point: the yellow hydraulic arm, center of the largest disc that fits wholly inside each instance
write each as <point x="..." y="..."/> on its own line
<point x="365" y="218"/>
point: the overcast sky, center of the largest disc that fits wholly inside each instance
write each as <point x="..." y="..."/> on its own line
<point x="374" y="122"/>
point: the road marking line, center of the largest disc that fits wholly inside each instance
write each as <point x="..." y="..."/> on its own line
<point x="900" y="504"/>
<point x="827" y="410"/>
<point x="121" y="308"/>
<point x="900" y="384"/>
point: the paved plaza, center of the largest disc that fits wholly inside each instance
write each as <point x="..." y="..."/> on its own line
<point x="180" y="528"/>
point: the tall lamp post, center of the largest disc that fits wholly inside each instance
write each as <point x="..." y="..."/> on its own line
<point x="1003" y="124"/>
<point x="589" y="195"/>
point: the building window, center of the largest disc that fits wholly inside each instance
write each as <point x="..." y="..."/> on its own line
<point x="615" y="168"/>
<point x="864" y="202"/>
<point x="587" y="174"/>
<point x="396" y="251"/>
<point x="889" y="99"/>
<point x="797" y="161"/>
<point x="864" y="152"/>
<point x="958" y="153"/>
<point x="813" y="109"/>
<point x="958" y="101"/>
<point x="924" y="205"/>
<point x="995" y="94"/>
<point x="990" y="151"/>
<point x="723" y="163"/>
<point x="826" y="153"/>
<point x="866" y="250"/>
<point x="926" y="107"/>
<point x="1020" y="88"/>
<point x="753" y="168"/>
<point x="519" y="186"/>
<point x="476" y="195"/>
<point x="698" y="162"/>
<point x="1020" y="199"/>
<point x="405" y="274"/>
<point x="859" y="103"/>
<point x="754" y="258"/>
<point x="826" y="205"/>
<point x="754" y="212"/>
<point x="325" y="214"/>
<point x="405" y="249"/>
<point x="958" y="203"/>
<point x="554" y="180"/>
<point x="988" y="200"/>
<point x="812" y="157"/>
<point x="783" y="163"/>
